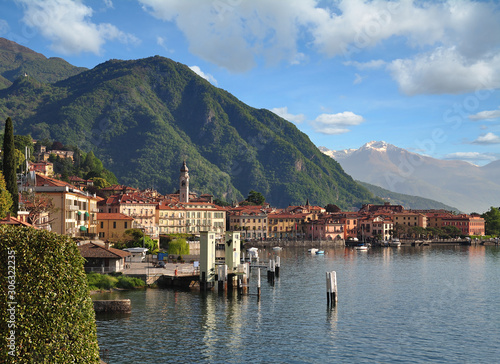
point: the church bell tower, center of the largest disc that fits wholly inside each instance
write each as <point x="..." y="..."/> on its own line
<point x="184" y="184"/>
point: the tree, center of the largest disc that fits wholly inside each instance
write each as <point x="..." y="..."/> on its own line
<point x="41" y="209"/>
<point x="54" y="316"/>
<point x="178" y="247"/>
<point x="492" y="221"/>
<point x="5" y="198"/>
<point x="332" y="208"/>
<point x="9" y="164"/>
<point x="220" y="202"/>
<point x="256" y="198"/>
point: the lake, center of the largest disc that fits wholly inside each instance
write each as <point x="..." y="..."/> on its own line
<point x="395" y="305"/>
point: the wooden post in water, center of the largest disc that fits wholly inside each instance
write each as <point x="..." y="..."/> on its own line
<point x="258" y="283"/>
<point x="331" y="288"/>
<point x="277" y="267"/>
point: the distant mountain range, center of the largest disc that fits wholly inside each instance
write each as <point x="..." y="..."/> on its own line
<point x="468" y="187"/>
<point x="142" y="118"/>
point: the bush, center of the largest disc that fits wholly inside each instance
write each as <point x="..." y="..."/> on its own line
<point x="130" y="282"/>
<point x="104" y="281"/>
<point x="54" y="315"/>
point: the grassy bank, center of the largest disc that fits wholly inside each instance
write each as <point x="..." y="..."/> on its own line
<point x="115" y="280"/>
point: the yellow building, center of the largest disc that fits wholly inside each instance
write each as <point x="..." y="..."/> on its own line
<point x="76" y="210"/>
<point x="252" y="221"/>
<point x="410" y="219"/>
<point x="112" y="226"/>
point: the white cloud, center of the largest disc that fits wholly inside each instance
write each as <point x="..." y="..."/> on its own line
<point x="456" y="43"/>
<point x="488" y="138"/>
<point x="283" y="112"/>
<point x="486" y="115"/>
<point x="471" y="156"/>
<point x="67" y="24"/>
<point x="4" y="27"/>
<point x="336" y="123"/>
<point x="206" y="76"/>
<point x="373" y="64"/>
<point x="445" y="70"/>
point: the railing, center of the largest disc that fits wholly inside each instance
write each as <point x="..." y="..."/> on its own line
<point x="98" y="270"/>
<point x="73" y="207"/>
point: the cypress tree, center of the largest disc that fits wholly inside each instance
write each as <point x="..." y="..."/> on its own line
<point x="9" y="164"/>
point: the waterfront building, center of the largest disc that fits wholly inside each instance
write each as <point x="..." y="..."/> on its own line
<point x="283" y="225"/>
<point x="379" y="226"/>
<point x="468" y="225"/>
<point x="190" y="218"/>
<point x="252" y="221"/>
<point x="326" y="227"/>
<point x="407" y="218"/>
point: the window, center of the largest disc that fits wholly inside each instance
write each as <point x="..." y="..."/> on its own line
<point x="114" y="224"/>
<point x="126" y="225"/>
<point x="102" y="224"/>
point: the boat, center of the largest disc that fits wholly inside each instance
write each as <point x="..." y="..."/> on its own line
<point x="253" y="253"/>
<point x="320" y="252"/>
<point x="395" y="242"/>
<point x="312" y="250"/>
<point x="361" y="247"/>
<point x="277" y="248"/>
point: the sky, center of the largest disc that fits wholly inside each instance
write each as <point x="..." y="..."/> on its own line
<point x="422" y="75"/>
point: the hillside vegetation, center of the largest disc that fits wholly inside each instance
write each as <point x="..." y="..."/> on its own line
<point x="142" y="118"/>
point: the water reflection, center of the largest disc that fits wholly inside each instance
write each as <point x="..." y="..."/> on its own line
<point x="416" y="304"/>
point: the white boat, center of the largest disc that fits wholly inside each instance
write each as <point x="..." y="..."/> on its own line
<point x="312" y="250"/>
<point x="277" y="248"/>
<point x="320" y="252"/>
<point x="395" y="242"/>
<point x="253" y="253"/>
<point x="361" y="247"/>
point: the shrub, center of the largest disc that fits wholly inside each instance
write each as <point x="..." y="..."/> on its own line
<point x="130" y="282"/>
<point x="54" y="316"/>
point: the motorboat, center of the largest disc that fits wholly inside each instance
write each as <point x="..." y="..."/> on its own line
<point x="395" y="242"/>
<point x="320" y="252"/>
<point x="277" y="248"/>
<point x="361" y="247"/>
<point x="312" y="250"/>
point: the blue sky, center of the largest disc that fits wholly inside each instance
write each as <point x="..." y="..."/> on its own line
<point x="422" y="75"/>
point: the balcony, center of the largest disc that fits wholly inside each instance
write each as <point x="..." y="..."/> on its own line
<point x="72" y="207"/>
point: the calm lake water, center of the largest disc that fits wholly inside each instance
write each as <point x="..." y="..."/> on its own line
<point x="395" y="305"/>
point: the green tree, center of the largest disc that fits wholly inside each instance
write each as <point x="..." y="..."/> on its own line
<point x="9" y="164"/>
<point x="492" y="221"/>
<point x="255" y="198"/>
<point x="137" y="238"/>
<point x="178" y="247"/>
<point x="23" y="141"/>
<point x="55" y="320"/>
<point x="5" y="198"/>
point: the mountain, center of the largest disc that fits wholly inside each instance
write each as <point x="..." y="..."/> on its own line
<point x="456" y="183"/>
<point x="17" y="61"/>
<point x="407" y="201"/>
<point x="142" y="118"/>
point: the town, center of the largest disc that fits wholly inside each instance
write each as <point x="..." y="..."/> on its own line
<point x="85" y="216"/>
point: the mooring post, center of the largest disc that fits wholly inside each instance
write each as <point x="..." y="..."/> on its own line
<point x="334" y="289"/>
<point x="258" y="283"/>
<point x="331" y="288"/>
<point x="328" y="288"/>
<point x="277" y="268"/>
